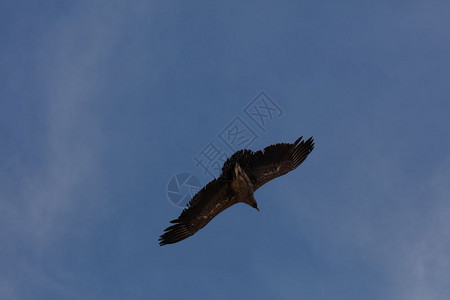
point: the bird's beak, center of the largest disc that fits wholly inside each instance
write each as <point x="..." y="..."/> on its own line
<point x="253" y="203"/>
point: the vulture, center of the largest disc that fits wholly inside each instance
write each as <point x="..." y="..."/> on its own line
<point x="242" y="174"/>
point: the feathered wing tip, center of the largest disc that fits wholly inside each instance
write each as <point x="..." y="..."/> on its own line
<point x="301" y="150"/>
<point x="187" y="223"/>
<point x="174" y="233"/>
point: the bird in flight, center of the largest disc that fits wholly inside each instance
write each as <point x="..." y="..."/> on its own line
<point x="242" y="174"/>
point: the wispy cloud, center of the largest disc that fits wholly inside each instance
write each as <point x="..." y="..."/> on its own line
<point x="423" y="260"/>
<point x="70" y="70"/>
<point x="383" y="218"/>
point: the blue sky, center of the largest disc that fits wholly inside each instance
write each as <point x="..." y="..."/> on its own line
<point x="102" y="102"/>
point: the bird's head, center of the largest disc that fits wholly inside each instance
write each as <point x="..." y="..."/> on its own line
<point x="255" y="206"/>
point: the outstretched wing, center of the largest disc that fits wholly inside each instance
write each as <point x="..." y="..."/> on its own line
<point x="204" y="206"/>
<point x="277" y="160"/>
